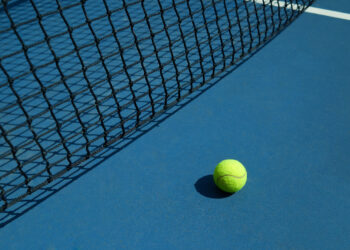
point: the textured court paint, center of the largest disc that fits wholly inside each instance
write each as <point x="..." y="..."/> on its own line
<point x="284" y="113"/>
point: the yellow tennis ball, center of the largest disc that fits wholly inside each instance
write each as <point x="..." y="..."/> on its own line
<point x="230" y="176"/>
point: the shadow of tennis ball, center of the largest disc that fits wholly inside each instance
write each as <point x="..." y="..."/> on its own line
<point x="206" y="187"/>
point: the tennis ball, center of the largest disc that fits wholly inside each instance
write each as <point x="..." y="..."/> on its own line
<point x="230" y="176"/>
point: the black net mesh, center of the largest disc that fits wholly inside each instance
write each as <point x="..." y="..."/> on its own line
<point x="77" y="75"/>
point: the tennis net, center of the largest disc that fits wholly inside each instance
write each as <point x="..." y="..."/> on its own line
<point x="78" y="75"/>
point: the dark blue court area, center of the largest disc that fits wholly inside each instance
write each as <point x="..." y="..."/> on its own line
<point x="280" y="105"/>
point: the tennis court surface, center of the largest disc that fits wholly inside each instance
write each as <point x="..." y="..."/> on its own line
<point x="114" y="114"/>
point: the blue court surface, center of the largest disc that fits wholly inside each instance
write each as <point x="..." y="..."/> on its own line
<point x="284" y="113"/>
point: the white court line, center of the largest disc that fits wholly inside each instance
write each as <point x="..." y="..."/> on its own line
<point x="329" y="13"/>
<point x="313" y="10"/>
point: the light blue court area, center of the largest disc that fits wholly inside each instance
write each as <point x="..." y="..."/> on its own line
<point x="283" y="112"/>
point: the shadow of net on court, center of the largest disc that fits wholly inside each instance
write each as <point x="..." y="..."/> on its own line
<point x="77" y="77"/>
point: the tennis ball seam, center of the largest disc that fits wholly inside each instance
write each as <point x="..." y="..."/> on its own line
<point x="234" y="176"/>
